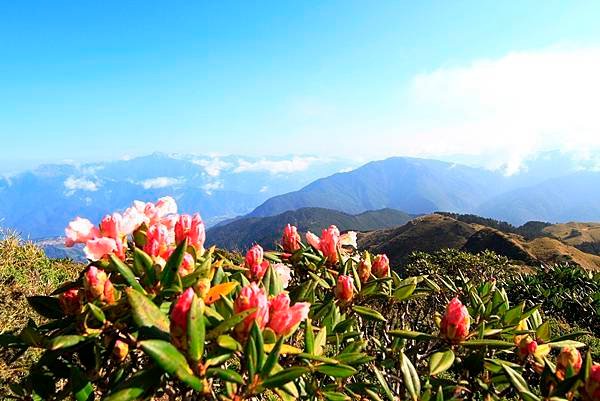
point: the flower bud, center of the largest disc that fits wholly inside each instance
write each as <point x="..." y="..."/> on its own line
<point x="569" y="358"/>
<point x="455" y="323"/>
<point x="283" y="319"/>
<point x="250" y="297"/>
<point x="381" y="266"/>
<point x="344" y="289"/>
<point x="157" y="241"/>
<point x="110" y="226"/>
<point x="98" y="286"/>
<point x="328" y="244"/>
<point x="284" y="273"/>
<point x="179" y="318"/>
<point x="70" y="301"/>
<point x="527" y="346"/>
<point x="120" y="351"/>
<point x="364" y="269"/>
<point x="255" y="263"/>
<point x="192" y="228"/>
<point x="290" y="241"/>
<point x="592" y="384"/>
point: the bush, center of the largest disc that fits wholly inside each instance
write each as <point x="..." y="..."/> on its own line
<point x="154" y="314"/>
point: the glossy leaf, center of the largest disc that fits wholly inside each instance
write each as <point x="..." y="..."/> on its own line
<point x="145" y="312"/>
<point x="126" y="273"/>
<point x="440" y="362"/>
<point x="172" y="361"/>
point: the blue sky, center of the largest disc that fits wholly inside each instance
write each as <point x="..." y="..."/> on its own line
<point x="358" y="79"/>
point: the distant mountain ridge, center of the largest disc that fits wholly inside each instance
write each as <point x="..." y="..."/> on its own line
<point x="266" y="231"/>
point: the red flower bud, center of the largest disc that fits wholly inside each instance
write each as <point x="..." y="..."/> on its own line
<point x="255" y="263"/>
<point x="328" y="244"/>
<point x="251" y="296"/>
<point x="455" y="322"/>
<point x="527" y="346"/>
<point x="592" y="384"/>
<point x="569" y="357"/>
<point x="290" y="241"/>
<point x="98" y="286"/>
<point x="179" y="318"/>
<point x="283" y="319"/>
<point x="364" y="269"/>
<point x="70" y="301"/>
<point x="381" y="266"/>
<point x="344" y="289"/>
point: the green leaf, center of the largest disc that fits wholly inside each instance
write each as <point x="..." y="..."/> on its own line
<point x="172" y="361"/>
<point x="145" y="312"/>
<point x="335" y="396"/>
<point x="543" y="331"/>
<point x="319" y="358"/>
<point x="284" y="376"/>
<point x="406" y="289"/>
<point x="440" y="362"/>
<point x="172" y="266"/>
<point x="250" y="357"/>
<point x="383" y="382"/>
<point x="227" y="324"/>
<point x="228" y="342"/>
<point x="516" y="379"/>
<point x="320" y="341"/>
<point x="46" y="306"/>
<point x="126" y="272"/>
<point x="81" y="387"/>
<point x="97" y="312"/>
<point x="259" y="344"/>
<point x="368" y="313"/>
<point x="411" y="378"/>
<point x="137" y="386"/>
<point x="196" y="331"/>
<point x="65" y="341"/>
<point x="309" y="337"/>
<point x="336" y="370"/>
<point x="272" y="359"/>
<point x="411" y="335"/>
<point x="142" y="262"/>
<point x="566" y="343"/>
<point x="487" y="343"/>
<point x="226" y="375"/>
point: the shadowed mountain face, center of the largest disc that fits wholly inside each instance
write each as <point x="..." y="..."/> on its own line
<point x="266" y="231"/>
<point x="413" y="185"/>
<point x="435" y="232"/>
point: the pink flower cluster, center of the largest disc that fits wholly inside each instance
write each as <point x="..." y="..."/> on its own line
<point x="276" y="313"/>
<point x="163" y="227"/>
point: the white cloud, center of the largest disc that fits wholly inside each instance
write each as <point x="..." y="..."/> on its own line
<point x="214" y="166"/>
<point x="161" y="182"/>
<point x="209" y="187"/>
<point x="505" y="109"/>
<point x="296" y="164"/>
<point x="263" y="189"/>
<point x="82" y="184"/>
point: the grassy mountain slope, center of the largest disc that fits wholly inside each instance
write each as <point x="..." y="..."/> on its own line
<point x="584" y="236"/>
<point x="242" y="233"/>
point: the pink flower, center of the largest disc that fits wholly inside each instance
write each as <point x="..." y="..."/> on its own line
<point x="156" y="213"/>
<point x="192" y="228"/>
<point x="70" y="301"/>
<point x="569" y="357"/>
<point x="284" y="272"/>
<point x="132" y="220"/>
<point x="255" y="263"/>
<point x="455" y="322"/>
<point x="79" y="231"/>
<point x="250" y="297"/>
<point x="96" y="249"/>
<point x="179" y="318"/>
<point x="283" y="319"/>
<point x="592" y="384"/>
<point x="328" y="244"/>
<point x="344" y="289"/>
<point x="290" y="241"/>
<point x="98" y="286"/>
<point x="110" y="226"/>
<point x="157" y="241"/>
<point x="381" y="266"/>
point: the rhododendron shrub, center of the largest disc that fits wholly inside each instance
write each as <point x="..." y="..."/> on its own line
<point x="156" y="313"/>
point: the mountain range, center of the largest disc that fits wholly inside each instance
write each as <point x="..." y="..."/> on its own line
<point x="553" y="187"/>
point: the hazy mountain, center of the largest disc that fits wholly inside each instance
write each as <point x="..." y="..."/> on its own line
<point x="39" y="203"/>
<point x="266" y="231"/>
<point x="413" y="185"/>
<point x="574" y="197"/>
